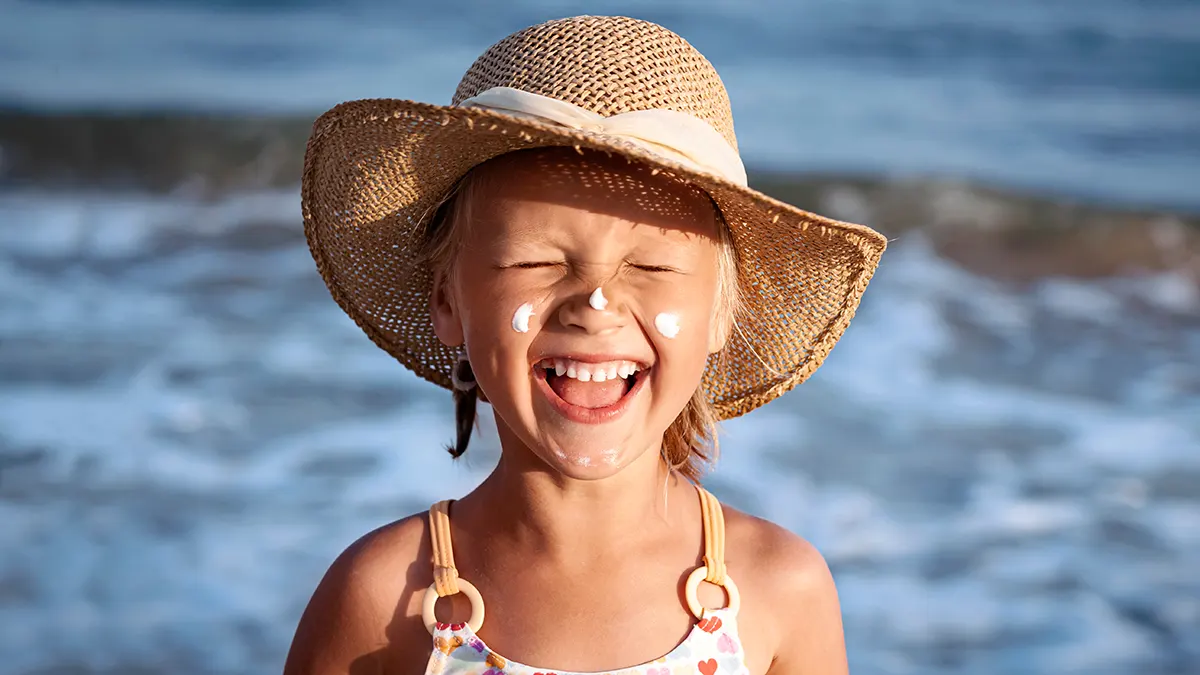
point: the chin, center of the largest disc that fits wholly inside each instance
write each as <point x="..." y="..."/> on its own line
<point x="588" y="464"/>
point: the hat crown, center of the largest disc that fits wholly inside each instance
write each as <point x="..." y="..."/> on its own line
<point x="609" y="65"/>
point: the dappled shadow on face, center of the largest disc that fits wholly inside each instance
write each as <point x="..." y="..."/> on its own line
<point x="598" y="183"/>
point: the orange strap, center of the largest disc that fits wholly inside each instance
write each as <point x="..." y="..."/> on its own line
<point x="445" y="574"/>
<point x="714" y="537"/>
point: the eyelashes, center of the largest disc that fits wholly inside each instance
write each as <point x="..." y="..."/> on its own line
<point x="533" y="265"/>
<point x="655" y="268"/>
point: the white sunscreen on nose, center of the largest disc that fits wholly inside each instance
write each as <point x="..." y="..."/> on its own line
<point x="667" y="325"/>
<point x="520" y="322"/>
<point x="597" y="300"/>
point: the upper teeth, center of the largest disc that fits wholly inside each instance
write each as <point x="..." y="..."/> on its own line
<point x="591" y="372"/>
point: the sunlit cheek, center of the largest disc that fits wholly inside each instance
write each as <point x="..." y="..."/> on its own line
<point x="667" y="324"/>
<point x="503" y="303"/>
<point x="677" y="309"/>
<point x="527" y="304"/>
<point x="520" y="318"/>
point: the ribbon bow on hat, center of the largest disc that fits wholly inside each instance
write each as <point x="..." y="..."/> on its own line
<point x="670" y="134"/>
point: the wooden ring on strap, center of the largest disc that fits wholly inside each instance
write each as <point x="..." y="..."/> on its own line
<point x="693" y="584"/>
<point x="466" y="588"/>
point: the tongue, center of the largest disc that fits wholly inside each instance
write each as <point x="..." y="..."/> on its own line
<point x="587" y="394"/>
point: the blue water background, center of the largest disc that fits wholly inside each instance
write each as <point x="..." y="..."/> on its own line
<point x="1094" y="98"/>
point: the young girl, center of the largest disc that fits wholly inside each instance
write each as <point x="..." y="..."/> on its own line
<point x="574" y="243"/>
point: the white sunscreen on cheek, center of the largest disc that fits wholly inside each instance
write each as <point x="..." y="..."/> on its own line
<point x="667" y="325"/>
<point x="520" y="322"/>
<point x="597" y="300"/>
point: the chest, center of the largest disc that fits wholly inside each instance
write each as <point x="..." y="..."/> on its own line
<point x="592" y="619"/>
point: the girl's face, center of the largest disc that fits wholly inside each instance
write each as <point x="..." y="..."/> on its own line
<point x="543" y="230"/>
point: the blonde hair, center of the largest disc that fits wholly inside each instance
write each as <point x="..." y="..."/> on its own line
<point x="690" y="443"/>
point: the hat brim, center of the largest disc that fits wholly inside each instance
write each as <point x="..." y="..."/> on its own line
<point x="375" y="171"/>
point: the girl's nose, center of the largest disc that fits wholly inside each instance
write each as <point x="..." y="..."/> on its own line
<point x="596" y="312"/>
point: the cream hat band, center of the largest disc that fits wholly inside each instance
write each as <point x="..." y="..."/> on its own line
<point x="670" y="134"/>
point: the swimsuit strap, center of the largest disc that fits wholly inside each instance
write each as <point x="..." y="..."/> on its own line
<point x="714" y="537"/>
<point x="445" y="574"/>
<point x="713" y="570"/>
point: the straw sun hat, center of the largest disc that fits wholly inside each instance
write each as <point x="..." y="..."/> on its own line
<point x="376" y="170"/>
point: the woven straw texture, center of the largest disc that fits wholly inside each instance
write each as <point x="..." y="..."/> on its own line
<point x="375" y="170"/>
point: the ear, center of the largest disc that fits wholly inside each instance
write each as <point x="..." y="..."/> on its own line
<point x="443" y="311"/>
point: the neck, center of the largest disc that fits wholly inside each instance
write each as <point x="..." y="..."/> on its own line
<point x="570" y="519"/>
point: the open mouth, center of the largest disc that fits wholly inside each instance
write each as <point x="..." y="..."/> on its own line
<point x="590" y="392"/>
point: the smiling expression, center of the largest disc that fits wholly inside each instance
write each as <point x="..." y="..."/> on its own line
<point x="585" y="390"/>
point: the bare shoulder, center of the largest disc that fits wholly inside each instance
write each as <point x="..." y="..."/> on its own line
<point x="789" y="596"/>
<point x="364" y="616"/>
<point x="778" y="558"/>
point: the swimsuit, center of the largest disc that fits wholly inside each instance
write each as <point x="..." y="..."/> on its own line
<point x="711" y="648"/>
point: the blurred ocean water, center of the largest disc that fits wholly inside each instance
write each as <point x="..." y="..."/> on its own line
<point x="1004" y="475"/>
<point x="1098" y="98"/>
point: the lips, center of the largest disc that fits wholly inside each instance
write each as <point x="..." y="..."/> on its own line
<point x="590" y="391"/>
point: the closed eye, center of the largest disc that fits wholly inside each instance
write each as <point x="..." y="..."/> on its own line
<point x="535" y="264"/>
<point x="653" y="268"/>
